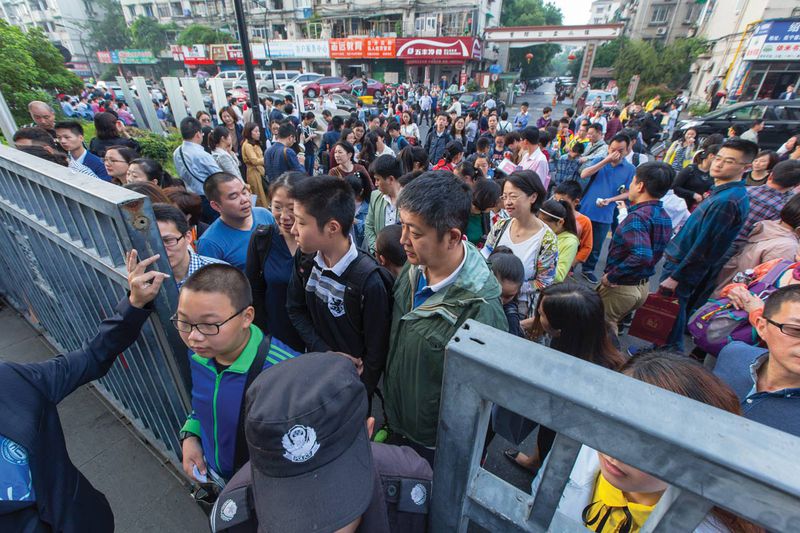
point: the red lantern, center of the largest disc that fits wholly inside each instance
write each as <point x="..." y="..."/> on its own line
<point x="529" y="56"/>
<point x="571" y="57"/>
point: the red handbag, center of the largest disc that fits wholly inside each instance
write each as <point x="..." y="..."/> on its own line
<point x="653" y="321"/>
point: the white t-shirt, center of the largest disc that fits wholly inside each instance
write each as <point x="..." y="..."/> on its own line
<point x="527" y="251"/>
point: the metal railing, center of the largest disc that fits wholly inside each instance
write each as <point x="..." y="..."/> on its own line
<point x="63" y="238"/>
<point x="708" y="456"/>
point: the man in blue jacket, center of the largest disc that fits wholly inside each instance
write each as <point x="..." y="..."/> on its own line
<point x="281" y="157"/>
<point x="41" y="489"/>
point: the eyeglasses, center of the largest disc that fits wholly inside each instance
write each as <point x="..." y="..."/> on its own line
<point x="728" y="161"/>
<point x="107" y="160"/>
<point x="792" y="330"/>
<point x="208" y="330"/>
<point x="510" y="197"/>
<point x="169" y="242"/>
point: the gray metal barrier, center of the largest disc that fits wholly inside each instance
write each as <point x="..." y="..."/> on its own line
<point x="63" y="238"/>
<point x="709" y="457"/>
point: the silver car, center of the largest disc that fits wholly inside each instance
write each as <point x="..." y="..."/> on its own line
<point x="264" y="81"/>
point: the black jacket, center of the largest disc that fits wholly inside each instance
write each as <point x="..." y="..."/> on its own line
<point x="689" y="181"/>
<point x="319" y="311"/>
<point x="435" y="144"/>
<point x="29" y="393"/>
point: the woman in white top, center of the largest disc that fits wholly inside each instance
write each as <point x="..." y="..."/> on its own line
<point x="219" y="142"/>
<point x="408" y="128"/>
<point x="528" y="237"/>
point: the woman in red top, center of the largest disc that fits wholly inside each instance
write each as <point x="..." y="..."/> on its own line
<point x="452" y="155"/>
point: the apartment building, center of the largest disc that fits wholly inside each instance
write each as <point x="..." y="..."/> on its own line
<point x="661" y="20"/>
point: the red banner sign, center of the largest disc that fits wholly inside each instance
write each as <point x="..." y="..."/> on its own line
<point x="362" y="47"/>
<point x="347" y="48"/>
<point x="381" y="47"/>
<point x="439" y="49"/>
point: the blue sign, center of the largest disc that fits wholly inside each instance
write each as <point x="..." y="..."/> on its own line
<point x="495" y="69"/>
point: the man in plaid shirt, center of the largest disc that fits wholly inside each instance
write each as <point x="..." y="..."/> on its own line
<point x="638" y="242"/>
<point x="566" y="167"/>
<point x="766" y="201"/>
<point x="696" y="254"/>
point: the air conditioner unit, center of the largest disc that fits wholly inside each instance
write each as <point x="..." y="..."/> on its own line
<point x="661" y="31"/>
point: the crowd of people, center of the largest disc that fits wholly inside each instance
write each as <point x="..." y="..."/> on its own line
<point x="321" y="278"/>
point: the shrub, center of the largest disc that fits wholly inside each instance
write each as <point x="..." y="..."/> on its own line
<point x="156" y="146"/>
<point x="698" y="109"/>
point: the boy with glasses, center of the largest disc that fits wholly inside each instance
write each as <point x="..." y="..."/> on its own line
<point x="176" y="234"/>
<point x="215" y="320"/>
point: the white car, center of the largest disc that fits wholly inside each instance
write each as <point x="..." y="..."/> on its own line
<point x="301" y="79"/>
<point x="264" y="81"/>
<point x="229" y="77"/>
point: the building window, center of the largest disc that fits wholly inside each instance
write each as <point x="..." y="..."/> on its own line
<point x="132" y="11"/>
<point x="259" y="32"/>
<point x="163" y="11"/>
<point x="177" y="10"/>
<point x="148" y="10"/>
<point x="660" y="15"/>
<point x="277" y="5"/>
<point x="692" y="12"/>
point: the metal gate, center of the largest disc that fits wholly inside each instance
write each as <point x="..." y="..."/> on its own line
<point x="709" y="457"/>
<point x="63" y="238"/>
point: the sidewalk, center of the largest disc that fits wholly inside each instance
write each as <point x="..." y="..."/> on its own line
<point x="144" y="495"/>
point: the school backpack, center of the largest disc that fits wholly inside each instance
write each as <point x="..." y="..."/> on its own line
<point x="718" y="322"/>
<point x="356" y="275"/>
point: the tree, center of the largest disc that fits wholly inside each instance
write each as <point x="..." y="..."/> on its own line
<point x="657" y="64"/>
<point x="531" y="13"/>
<point x="29" y="67"/>
<point x="200" y="34"/>
<point x="148" y="34"/>
<point x="607" y="53"/>
<point x="110" y="32"/>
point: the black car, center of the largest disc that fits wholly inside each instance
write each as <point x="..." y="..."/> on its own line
<point x="473" y="101"/>
<point x="782" y="120"/>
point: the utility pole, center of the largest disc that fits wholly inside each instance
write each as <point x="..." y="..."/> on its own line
<point x="247" y="57"/>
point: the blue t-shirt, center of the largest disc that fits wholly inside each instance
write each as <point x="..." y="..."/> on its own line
<point x="16" y="483"/>
<point x="221" y="241"/>
<point x="278" y="269"/>
<point x="606" y="185"/>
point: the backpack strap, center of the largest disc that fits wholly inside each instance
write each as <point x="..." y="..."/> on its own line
<point x="356" y="275"/>
<point x="186" y="166"/>
<point x="241" y="455"/>
<point x="774" y="273"/>
<point x="262" y="238"/>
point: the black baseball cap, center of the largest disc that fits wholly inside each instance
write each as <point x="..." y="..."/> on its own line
<point x="309" y="449"/>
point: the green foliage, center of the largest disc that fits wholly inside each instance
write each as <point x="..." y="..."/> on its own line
<point x="530" y="13"/>
<point x="657" y="64"/>
<point x="472" y="85"/>
<point x="200" y="34"/>
<point x="156" y="146"/>
<point x="30" y="66"/>
<point x="607" y="53"/>
<point x="148" y="34"/>
<point x="109" y="32"/>
<point x="698" y="109"/>
<point x="110" y="73"/>
<point x="543" y="54"/>
<point x="644" y="94"/>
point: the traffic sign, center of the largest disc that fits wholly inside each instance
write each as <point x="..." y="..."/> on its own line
<point x="268" y="63"/>
<point x="494" y="77"/>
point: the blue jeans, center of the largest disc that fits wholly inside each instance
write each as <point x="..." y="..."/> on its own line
<point x="683" y="293"/>
<point x="599" y="232"/>
<point x="309" y="162"/>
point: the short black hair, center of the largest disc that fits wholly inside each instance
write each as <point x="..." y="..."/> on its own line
<point x="773" y="304"/>
<point x="440" y="198"/>
<point x="286" y="130"/>
<point x="190" y="127"/>
<point x="547" y="109"/>
<point x="408" y="177"/>
<point x="212" y="183"/>
<point x="530" y="134"/>
<point x="170" y="213"/>
<point x="326" y="198"/>
<point x="528" y="182"/>
<point x="385" y="166"/>
<point x="570" y="112"/>
<point x="790" y="214"/>
<point x="656" y="176"/>
<point x="483" y="143"/>
<point x="35" y="134"/>
<point x="289" y="109"/>
<point x="595" y="126"/>
<point x="620" y="138"/>
<point x="485" y="194"/>
<point x="393" y="126"/>
<point x="756" y="122"/>
<point x="387" y="244"/>
<point x="220" y="278"/>
<point x="786" y="174"/>
<point x="748" y="149"/>
<point x="506" y="266"/>
<point x="571" y="189"/>
<point x="72" y="125"/>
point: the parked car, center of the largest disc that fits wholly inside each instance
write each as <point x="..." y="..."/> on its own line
<point x="301" y="79"/>
<point x="229" y="77"/>
<point x="264" y="79"/>
<point x="473" y="101"/>
<point x="782" y="120"/>
<point x="606" y="98"/>
<point x="342" y="85"/>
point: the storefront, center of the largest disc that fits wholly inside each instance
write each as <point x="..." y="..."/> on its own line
<point x="771" y="61"/>
<point x="309" y="55"/>
<point x="429" y="59"/>
<point x="373" y="56"/>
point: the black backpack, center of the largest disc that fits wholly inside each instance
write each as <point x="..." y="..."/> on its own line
<point x="356" y="275"/>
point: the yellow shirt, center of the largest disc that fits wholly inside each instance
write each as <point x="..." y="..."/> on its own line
<point x="652" y="104"/>
<point x="607" y="497"/>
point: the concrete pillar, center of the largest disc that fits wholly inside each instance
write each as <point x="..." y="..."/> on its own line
<point x="502" y="56"/>
<point x="333" y="68"/>
<point x="586" y="69"/>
